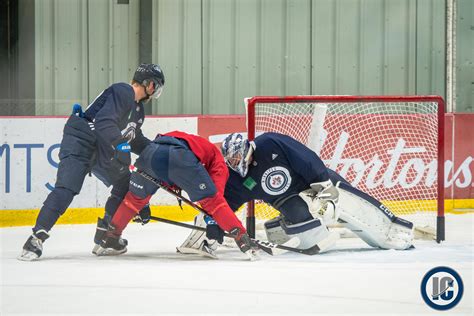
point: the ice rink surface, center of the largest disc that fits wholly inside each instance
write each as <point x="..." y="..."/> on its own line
<point x="153" y="279"/>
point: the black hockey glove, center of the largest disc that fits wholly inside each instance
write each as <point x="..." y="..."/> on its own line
<point x="121" y="158"/>
<point x="143" y="216"/>
<point x="213" y="231"/>
<point x="243" y="241"/>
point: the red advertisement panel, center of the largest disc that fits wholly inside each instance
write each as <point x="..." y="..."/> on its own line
<point x="405" y="164"/>
<point x="459" y="167"/>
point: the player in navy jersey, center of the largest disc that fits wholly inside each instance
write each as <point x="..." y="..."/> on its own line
<point x="293" y="179"/>
<point x="99" y="141"/>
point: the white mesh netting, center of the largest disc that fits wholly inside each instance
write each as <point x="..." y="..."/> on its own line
<point x="386" y="149"/>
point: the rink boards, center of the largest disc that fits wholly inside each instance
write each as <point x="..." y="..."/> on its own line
<point x="30" y="145"/>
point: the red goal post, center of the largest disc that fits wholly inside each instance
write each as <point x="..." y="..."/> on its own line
<point x="391" y="147"/>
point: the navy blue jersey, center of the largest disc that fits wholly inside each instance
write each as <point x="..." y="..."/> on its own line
<point x="116" y="115"/>
<point x="281" y="166"/>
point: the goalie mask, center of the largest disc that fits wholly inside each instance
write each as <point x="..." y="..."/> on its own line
<point x="237" y="152"/>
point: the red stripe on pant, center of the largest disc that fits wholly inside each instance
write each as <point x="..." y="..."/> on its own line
<point x="129" y="207"/>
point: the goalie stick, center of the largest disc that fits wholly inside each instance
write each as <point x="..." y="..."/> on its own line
<point x="266" y="246"/>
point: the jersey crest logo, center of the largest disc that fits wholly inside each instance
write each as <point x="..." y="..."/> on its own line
<point x="274" y="156"/>
<point x="276" y="180"/>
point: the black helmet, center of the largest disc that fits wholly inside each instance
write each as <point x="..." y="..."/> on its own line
<point x="147" y="73"/>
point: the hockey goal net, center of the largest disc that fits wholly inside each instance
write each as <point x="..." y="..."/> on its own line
<point x="390" y="147"/>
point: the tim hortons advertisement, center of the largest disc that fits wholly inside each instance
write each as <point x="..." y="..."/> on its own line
<point x="406" y="163"/>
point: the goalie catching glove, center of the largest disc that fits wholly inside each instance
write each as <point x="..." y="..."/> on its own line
<point x="322" y="201"/>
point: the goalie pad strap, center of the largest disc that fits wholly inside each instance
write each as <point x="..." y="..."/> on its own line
<point x="300" y="227"/>
<point x="309" y="233"/>
<point x="403" y="222"/>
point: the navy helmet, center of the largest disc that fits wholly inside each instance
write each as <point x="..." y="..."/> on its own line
<point x="147" y="73"/>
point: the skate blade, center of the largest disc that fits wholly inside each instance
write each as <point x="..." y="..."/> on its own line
<point x="293" y="243"/>
<point x="95" y="249"/>
<point x="28" y="256"/>
<point x="101" y="252"/>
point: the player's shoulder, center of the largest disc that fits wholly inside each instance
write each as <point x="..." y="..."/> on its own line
<point x="234" y="178"/>
<point x="122" y="89"/>
<point x="188" y="136"/>
<point x="271" y="139"/>
<point x="273" y="136"/>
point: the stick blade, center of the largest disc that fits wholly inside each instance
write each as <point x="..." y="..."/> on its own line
<point x="293" y="243"/>
<point x="263" y="247"/>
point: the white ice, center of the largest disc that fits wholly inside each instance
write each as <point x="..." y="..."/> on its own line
<point x="153" y="279"/>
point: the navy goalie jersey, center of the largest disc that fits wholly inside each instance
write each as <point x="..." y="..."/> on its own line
<point x="281" y="166"/>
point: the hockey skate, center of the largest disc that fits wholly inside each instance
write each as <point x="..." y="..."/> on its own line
<point x="33" y="247"/>
<point x="100" y="232"/>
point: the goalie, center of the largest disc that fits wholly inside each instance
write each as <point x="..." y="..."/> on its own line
<point x="292" y="178"/>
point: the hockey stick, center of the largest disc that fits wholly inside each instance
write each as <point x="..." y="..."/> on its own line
<point x="263" y="245"/>
<point x="260" y="243"/>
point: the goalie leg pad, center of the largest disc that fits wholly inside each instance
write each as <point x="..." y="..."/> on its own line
<point x="197" y="242"/>
<point x="274" y="231"/>
<point x="372" y="221"/>
<point x="309" y="233"/>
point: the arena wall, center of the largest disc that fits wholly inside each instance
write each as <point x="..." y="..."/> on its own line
<point x="29" y="156"/>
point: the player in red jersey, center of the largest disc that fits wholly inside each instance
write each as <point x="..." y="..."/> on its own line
<point x="192" y="164"/>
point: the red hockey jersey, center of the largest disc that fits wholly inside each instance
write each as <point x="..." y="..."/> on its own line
<point x="213" y="161"/>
